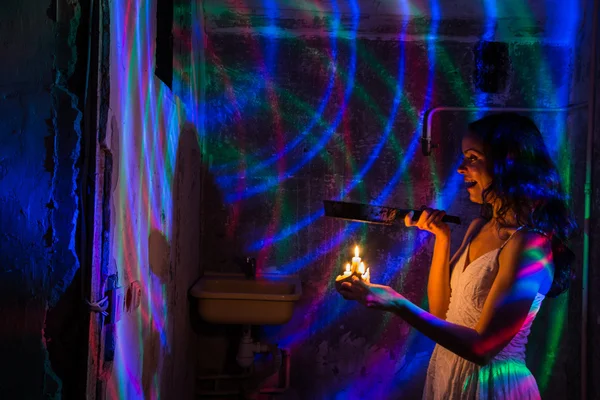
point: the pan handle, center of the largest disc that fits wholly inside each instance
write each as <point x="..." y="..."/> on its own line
<point x="452" y="219"/>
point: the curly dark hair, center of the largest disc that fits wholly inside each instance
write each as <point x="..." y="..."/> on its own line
<point x="525" y="180"/>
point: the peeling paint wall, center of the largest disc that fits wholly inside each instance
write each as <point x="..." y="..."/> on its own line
<point x="40" y="133"/>
<point x="311" y="104"/>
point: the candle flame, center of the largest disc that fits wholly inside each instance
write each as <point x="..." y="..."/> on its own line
<point x="356" y="251"/>
<point x="348" y="267"/>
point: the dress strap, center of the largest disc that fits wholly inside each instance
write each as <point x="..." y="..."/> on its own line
<point x="511" y="235"/>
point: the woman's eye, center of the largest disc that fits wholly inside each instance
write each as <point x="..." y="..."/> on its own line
<point x="472" y="158"/>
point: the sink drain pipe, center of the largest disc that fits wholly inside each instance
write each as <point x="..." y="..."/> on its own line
<point x="270" y="382"/>
<point x="248" y="348"/>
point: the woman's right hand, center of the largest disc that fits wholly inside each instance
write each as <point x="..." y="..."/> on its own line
<point x="430" y="220"/>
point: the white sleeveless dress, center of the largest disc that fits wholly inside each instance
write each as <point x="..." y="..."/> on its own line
<point x="505" y="377"/>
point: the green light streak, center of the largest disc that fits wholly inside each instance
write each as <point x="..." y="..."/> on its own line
<point x="559" y="309"/>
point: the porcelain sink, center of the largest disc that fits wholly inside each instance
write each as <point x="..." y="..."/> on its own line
<point x="232" y="299"/>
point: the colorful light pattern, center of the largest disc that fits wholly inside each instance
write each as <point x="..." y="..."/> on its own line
<point x="151" y="117"/>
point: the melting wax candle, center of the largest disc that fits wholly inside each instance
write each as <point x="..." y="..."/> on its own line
<point x="367" y="276"/>
<point x="355" y="260"/>
<point x="357" y="268"/>
<point x="347" y="272"/>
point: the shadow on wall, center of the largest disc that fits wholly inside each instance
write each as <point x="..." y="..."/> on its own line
<point x="221" y="248"/>
<point x="184" y="267"/>
<point x="158" y="257"/>
<point x="170" y="345"/>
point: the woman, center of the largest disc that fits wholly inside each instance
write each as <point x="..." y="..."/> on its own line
<point x="482" y="301"/>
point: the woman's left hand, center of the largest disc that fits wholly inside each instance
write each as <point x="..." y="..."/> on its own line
<point x="371" y="295"/>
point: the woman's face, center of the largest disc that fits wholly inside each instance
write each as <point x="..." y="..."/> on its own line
<point x="474" y="168"/>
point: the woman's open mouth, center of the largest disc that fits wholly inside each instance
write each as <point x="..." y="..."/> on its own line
<point x="469" y="184"/>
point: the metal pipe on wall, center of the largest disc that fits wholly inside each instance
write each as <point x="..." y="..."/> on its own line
<point x="588" y="204"/>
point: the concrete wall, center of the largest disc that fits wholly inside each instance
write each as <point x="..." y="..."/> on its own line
<point x="302" y="108"/>
<point x="40" y="133"/>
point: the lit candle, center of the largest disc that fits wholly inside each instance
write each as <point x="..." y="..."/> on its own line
<point x="355" y="260"/>
<point x="361" y="268"/>
<point x="367" y="276"/>
<point x="347" y="272"/>
<point x="345" y="277"/>
<point x="357" y="268"/>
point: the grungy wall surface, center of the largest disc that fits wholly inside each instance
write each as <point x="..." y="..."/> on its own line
<point x="301" y="106"/>
<point x="154" y="197"/>
<point x="39" y="150"/>
<point x="298" y="112"/>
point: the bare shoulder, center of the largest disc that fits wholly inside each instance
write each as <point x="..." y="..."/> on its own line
<point x="524" y="241"/>
<point x="528" y="252"/>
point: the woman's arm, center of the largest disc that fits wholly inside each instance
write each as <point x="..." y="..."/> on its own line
<point x="438" y="285"/>
<point x="524" y="266"/>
